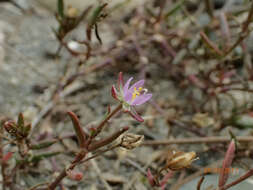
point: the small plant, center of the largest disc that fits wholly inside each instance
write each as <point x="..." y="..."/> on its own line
<point x="19" y="132"/>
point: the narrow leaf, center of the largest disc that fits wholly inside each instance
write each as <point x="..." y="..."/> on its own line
<point x="227" y="163"/>
<point x="60" y="4"/>
<point x="94" y="18"/>
<point x="42" y="145"/>
<point x="21" y="122"/>
<point x="39" y="157"/>
<point x="174" y="8"/>
<point x="135" y="115"/>
<point x="150" y="178"/>
<point x="81" y="136"/>
<point x="165" y="179"/>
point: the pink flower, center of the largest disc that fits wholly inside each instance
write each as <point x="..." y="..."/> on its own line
<point x="131" y="96"/>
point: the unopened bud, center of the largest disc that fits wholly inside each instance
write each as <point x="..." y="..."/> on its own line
<point x="131" y="141"/>
<point x="10" y="127"/>
<point x="76" y="176"/>
<point x="179" y="160"/>
<point x="114" y="93"/>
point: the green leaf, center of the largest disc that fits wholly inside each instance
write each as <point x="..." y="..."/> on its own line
<point x="43" y="145"/>
<point x="60" y="4"/>
<point x="96" y="13"/>
<point x="39" y="157"/>
<point x="174" y="8"/>
<point x="21" y="123"/>
<point x="94" y="17"/>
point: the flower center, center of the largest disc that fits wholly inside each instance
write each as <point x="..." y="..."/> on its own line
<point x="137" y="92"/>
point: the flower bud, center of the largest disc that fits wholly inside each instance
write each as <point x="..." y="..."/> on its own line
<point x="179" y="160"/>
<point x="131" y="141"/>
<point x="114" y="92"/>
<point x="73" y="175"/>
<point x="11" y="127"/>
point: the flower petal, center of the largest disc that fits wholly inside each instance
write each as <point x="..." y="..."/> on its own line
<point x="126" y="86"/>
<point x="141" y="99"/>
<point x="138" y="84"/>
<point x="129" y="93"/>
<point x="128" y="96"/>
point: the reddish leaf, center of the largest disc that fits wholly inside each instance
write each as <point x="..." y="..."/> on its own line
<point x="150" y="177"/>
<point x="120" y="80"/>
<point x="165" y="179"/>
<point x="227" y="163"/>
<point x="81" y="136"/>
<point x="135" y="115"/>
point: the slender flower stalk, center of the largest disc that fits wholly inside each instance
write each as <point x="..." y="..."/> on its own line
<point x="131" y="96"/>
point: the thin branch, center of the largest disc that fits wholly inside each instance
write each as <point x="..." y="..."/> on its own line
<point x="239" y="180"/>
<point x="200" y="182"/>
<point x="63" y="173"/>
<point x="210" y="44"/>
<point x="102" y="123"/>
<point x="197" y="140"/>
<point x="107" y="140"/>
<point x="245" y="31"/>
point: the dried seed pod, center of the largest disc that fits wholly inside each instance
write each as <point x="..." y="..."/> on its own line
<point x="18" y="130"/>
<point x="131" y="141"/>
<point x="178" y="160"/>
<point x="72" y="12"/>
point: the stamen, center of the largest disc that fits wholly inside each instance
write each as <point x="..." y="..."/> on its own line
<point x="133" y="96"/>
<point x="145" y="91"/>
<point x="136" y="92"/>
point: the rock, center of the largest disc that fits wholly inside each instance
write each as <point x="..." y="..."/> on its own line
<point x="114" y="179"/>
